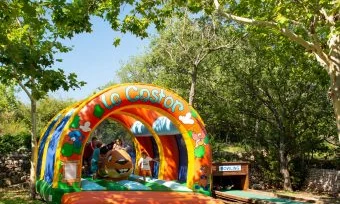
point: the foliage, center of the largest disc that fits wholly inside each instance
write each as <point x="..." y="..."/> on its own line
<point x="47" y="108"/>
<point x="285" y="111"/>
<point x="313" y="25"/>
<point x="264" y="93"/>
<point x="312" y="22"/>
<point x="109" y="130"/>
<point x="10" y="121"/>
<point x="16" y="121"/>
<point x="28" y="42"/>
<point x="11" y="143"/>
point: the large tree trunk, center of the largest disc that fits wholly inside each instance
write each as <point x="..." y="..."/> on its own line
<point x="334" y="73"/>
<point x="334" y="94"/>
<point x="34" y="148"/>
<point x="287" y="184"/>
<point x="193" y="85"/>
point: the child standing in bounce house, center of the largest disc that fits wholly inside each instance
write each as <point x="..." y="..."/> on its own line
<point x="144" y="165"/>
<point x="95" y="159"/>
<point x="87" y="156"/>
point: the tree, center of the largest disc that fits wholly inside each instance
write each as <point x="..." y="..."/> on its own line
<point x="261" y="92"/>
<point x="28" y="42"/>
<point x="182" y="47"/>
<point x="139" y="69"/>
<point x="281" y="99"/>
<point x="312" y="24"/>
<point x="187" y="42"/>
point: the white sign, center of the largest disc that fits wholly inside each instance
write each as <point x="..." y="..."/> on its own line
<point x="70" y="171"/>
<point x="230" y="168"/>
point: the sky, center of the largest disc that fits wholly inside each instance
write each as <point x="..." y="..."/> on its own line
<point x="95" y="59"/>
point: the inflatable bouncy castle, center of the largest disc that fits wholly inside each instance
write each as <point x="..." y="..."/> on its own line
<point x="160" y="123"/>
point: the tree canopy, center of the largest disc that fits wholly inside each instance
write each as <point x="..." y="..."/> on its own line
<point x="268" y="95"/>
<point x="29" y="39"/>
<point x="314" y="25"/>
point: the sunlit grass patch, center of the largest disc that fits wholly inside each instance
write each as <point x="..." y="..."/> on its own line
<point x="11" y="196"/>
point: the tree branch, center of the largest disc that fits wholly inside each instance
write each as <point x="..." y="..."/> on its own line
<point x="26" y="90"/>
<point x="329" y="19"/>
<point x="322" y="57"/>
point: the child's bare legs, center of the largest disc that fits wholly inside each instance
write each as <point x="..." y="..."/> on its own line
<point x="143" y="173"/>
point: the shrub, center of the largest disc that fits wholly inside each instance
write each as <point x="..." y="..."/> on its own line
<point x="10" y="143"/>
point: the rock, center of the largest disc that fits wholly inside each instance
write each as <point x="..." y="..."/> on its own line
<point x="24" y="178"/>
<point x="257" y="187"/>
<point x="7" y="181"/>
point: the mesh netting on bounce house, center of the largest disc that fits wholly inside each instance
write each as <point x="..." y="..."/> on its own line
<point x="160" y="123"/>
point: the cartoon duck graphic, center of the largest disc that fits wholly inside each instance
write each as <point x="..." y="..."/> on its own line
<point x="199" y="139"/>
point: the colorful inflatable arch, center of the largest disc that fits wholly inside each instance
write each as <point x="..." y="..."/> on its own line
<point x="144" y="110"/>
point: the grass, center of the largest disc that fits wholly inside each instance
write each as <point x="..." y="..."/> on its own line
<point x="11" y="196"/>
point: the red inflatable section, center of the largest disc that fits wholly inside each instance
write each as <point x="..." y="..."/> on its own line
<point x="170" y="151"/>
<point x="146" y="145"/>
<point x="133" y="197"/>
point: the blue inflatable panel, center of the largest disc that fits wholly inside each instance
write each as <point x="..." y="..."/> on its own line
<point x="51" y="151"/>
<point x="91" y="186"/>
<point x="164" y="126"/>
<point x="42" y="144"/>
<point x="183" y="159"/>
<point x="132" y="185"/>
<point x="155" y="155"/>
<point x="139" y="129"/>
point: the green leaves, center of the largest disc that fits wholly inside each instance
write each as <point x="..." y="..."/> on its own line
<point x="282" y="20"/>
<point x="28" y="42"/>
<point x="135" y="25"/>
<point x="116" y="42"/>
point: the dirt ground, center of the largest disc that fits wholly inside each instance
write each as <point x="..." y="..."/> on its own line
<point x="305" y="196"/>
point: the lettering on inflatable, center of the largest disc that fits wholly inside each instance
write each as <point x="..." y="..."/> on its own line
<point x="156" y="96"/>
<point x="134" y="94"/>
<point x="114" y="99"/>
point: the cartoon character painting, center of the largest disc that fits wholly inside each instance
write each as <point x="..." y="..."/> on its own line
<point x="199" y="139"/>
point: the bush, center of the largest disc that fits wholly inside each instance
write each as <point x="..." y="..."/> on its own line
<point x="10" y="143"/>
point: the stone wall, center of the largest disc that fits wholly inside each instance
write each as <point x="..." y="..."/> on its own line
<point x="323" y="181"/>
<point x="14" y="168"/>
